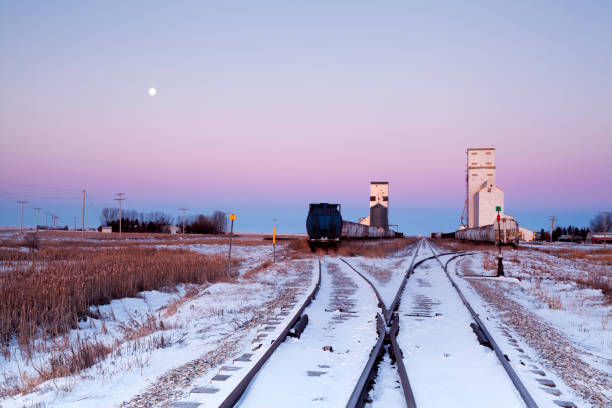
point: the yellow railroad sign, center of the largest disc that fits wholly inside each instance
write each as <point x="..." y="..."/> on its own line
<point x="274" y="235"/>
<point x="232" y="217"/>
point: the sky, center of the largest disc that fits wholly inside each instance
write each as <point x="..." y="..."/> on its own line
<point x="264" y="107"/>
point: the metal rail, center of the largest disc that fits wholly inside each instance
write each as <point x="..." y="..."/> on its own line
<point x="237" y="392"/>
<point x="399" y="363"/>
<point x="381" y="303"/>
<point x="360" y="392"/>
<point x="527" y="398"/>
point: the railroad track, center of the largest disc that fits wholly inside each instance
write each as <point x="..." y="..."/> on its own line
<point x="349" y="294"/>
<point x="516" y="381"/>
<point x="216" y="398"/>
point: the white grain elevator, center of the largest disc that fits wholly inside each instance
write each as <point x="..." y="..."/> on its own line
<point x="482" y="192"/>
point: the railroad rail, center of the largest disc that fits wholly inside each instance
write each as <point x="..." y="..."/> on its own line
<point x="522" y="390"/>
<point x="387" y="331"/>
<point x="235" y="395"/>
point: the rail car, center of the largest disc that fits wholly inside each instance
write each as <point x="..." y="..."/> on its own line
<point x="506" y="232"/>
<point x="325" y="227"/>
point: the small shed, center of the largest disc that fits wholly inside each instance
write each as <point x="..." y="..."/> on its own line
<point x="107" y="229"/>
<point x="525" y="234"/>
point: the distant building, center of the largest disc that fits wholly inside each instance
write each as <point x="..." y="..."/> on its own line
<point x="106" y="229"/>
<point x="173" y="229"/>
<point x="599" y="237"/>
<point x="483" y="193"/>
<point x="526" y="234"/>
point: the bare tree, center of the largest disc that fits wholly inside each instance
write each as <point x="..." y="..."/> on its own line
<point x="601" y="222"/>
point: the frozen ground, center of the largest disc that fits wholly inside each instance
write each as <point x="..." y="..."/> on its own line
<point x="445" y="363"/>
<point x="551" y="327"/>
<point x="160" y="342"/>
<point x="322" y="367"/>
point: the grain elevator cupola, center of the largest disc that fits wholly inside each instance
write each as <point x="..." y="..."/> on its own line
<point x="379" y="204"/>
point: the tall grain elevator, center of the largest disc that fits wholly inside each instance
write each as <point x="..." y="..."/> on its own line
<point x="379" y="204"/>
<point x="483" y="194"/>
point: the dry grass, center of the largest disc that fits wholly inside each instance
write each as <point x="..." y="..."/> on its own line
<point x="65" y="239"/>
<point x="598" y="255"/>
<point x="50" y="292"/>
<point x="454" y="245"/>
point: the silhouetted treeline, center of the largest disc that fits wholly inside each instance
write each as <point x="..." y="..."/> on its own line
<point x="205" y="224"/>
<point x="134" y="221"/>
<point x="573" y="233"/>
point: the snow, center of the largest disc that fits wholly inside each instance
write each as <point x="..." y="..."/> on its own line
<point x="200" y="324"/>
<point x="387" y="388"/>
<point x="445" y="363"/>
<point x="283" y="381"/>
<point x="522" y="352"/>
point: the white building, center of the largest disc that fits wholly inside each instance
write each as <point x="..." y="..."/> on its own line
<point x="526" y="234"/>
<point x="106" y="229"/>
<point x="481" y="172"/>
<point x="486" y="200"/>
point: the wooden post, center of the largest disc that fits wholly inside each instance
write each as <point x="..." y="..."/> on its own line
<point x="232" y="217"/>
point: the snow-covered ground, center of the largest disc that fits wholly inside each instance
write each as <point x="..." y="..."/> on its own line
<point x="160" y="342"/>
<point x="322" y="367"/>
<point x="445" y="363"/>
<point x="551" y="327"/>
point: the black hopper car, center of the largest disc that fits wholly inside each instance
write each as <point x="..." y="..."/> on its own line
<point x="326" y="228"/>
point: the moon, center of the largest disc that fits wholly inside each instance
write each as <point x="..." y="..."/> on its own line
<point x="152" y="91"/>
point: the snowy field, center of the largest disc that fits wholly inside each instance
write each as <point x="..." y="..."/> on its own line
<point x="161" y="341"/>
<point x="551" y="316"/>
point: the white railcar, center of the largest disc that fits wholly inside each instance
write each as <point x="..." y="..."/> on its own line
<point x="507" y="230"/>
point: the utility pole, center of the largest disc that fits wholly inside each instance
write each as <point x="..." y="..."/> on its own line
<point x="120" y="199"/>
<point x="75" y="222"/>
<point x="47" y="219"/>
<point x="183" y="210"/>
<point x="83" y="219"/>
<point x="37" y="209"/>
<point x="21" y="203"/>
<point x="552" y="226"/>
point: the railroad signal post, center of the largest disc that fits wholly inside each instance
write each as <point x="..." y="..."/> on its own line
<point x="232" y="218"/>
<point x="274" y="244"/>
<point x="500" y="264"/>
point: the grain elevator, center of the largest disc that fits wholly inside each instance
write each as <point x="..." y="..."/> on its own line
<point x="483" y="193"/>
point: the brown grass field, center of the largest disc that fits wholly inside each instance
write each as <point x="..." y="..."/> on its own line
<point x="62" y="239"/>
<point x="45" y="293"/>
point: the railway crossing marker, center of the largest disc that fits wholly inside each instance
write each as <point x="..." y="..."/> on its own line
<point x="232" y="218"/>
<point x="274" y="243"/>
